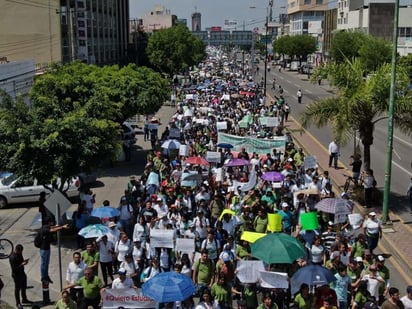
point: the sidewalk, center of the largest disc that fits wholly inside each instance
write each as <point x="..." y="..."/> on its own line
<point x="396" y="236"/>
<point x="110" y="186"/>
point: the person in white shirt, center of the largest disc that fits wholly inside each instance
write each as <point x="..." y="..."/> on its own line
<point x="123" y="247"/>
<point x="201" y="224"/>
<point x="407" y="299"/>
<point x="333" y="154"/>
<point x="373" y="280"/>
<point x="373" y="230"/>
<point x="121" y="282"/>
<point x="106" y="250"/>
<point x="114" y="234"/>
<point x="126" y="216"/>
<point x="75" y="270"/>
<point x="150" y="271"/>
<point x="131" y="267"/>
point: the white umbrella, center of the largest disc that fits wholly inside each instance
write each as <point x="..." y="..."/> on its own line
<point x="171" y="144"/>
<point x="94" y="230"/>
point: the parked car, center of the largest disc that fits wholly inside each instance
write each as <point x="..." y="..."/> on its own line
<point x="306" y="69"/>
<point x="15" y="190"/>
<point x="128" y="131"/>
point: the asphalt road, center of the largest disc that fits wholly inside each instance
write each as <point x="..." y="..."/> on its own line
<point x="402" y="144"/>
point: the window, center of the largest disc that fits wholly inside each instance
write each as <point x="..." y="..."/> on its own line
<point x="319" y="2"/>
<point x="307" y="2"/>
<point x="80" y="4"/>
<point x="82" y="43"/>
<point x="81" y="23"/>
<point x="408" y="32"/>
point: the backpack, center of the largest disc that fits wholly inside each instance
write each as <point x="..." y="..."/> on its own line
<point x="38" y="239"/>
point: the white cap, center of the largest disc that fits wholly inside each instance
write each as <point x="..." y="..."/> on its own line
<point x="330" y="223"/>
<point x="381" y="258"/>
<point x="290" y="160"/>
<point x="284" y="204"/>
<point x="372" y="214"/>
<point x="358" y="259"/>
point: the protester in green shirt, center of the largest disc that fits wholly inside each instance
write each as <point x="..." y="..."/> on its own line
<point x="267" y="303"/>
<point x="222" y="292"/>
<point x="359" y="246"/>
<point x="304" y="299"/>
<point x="261" y="222"/>
<point x="243" y="250"/>
<point x="361" y="295"/>
<point x="65" y="302"/>
<point x="91" y="258"/>
<point x="91" y="285"/>
<point x="203" y="271"/>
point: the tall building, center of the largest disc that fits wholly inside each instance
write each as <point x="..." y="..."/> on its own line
<point x="196" y="22"/>
<point x="94" y="31"/>
<point x="157" y="19"/>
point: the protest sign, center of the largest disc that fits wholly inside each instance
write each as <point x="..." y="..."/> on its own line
<point x="355" y="220"/>
<point x="251" y="236"/>
<point x="310" y="162"/>
<point x="185" y="245"/>
<point x="126" y="298"/>
<point x="161" y="238"/>
<point x="221" y="125"/>
<point x="248" y="271"/>
<point x="271" y="280"/>
<point x="274" y="223"/>
<point x="309" y="221"/>
<point x="226" y="211"/>
<point x="184" y="150"/>
<point x="342" y="211"/>
<point x="213" y="156"/>
<point x="174" y="133"/>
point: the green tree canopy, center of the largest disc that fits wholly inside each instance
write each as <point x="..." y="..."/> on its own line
<point x="174" y="49"/>
<point x="298" y="46"/>
<point x="346" y="45"/>
<point x="73" y="122"/>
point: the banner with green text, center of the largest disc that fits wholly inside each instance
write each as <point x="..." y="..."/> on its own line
<point x="253" y="144"/>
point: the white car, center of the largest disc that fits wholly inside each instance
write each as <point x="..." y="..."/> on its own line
<point x="14" y="190"/>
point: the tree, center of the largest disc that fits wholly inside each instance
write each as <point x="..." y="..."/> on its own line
<point x="375" y="52"/>
<point x="73" y="122"/>
<point x="406" y="61"/>
<point x="175" y="49"/>
<point x="346" y="45"/>
<point x="61" y="144"/>
<point x="298" y="46"/>
<point x="360" y="103"/>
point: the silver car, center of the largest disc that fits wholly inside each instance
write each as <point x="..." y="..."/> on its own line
<point x="15" y="190"/>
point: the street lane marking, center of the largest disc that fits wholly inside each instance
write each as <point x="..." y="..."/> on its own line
<point x="396" y="153"/>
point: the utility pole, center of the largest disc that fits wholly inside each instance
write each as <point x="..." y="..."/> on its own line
<point x="266" y="52"/>
<point x="389" y="144"/>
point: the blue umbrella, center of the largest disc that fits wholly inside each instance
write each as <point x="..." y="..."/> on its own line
<point x="168" y="287"/>
<point x="313" y="275"/>
<point x="105" y="212"/>
<point x="225" y="145"/>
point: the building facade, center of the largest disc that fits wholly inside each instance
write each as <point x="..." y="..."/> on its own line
<point x="94" y="31"/>
<point x="157" y="19"/>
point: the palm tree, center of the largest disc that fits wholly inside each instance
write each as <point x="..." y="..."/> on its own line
<point x="360" y="103"/>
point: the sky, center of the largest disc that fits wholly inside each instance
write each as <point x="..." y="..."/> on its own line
<point x="214" y="12"/>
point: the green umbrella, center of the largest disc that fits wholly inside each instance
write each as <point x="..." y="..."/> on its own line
<point x="277" y="248"/>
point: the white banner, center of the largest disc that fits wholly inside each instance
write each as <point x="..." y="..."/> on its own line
<point x="271" y="280"/>
<point x="185" y="245"/>
<point x="310" y="162"/>
<point x="161" y="238"/>
<point x="184" y="150"/>
<point x="355" y="220"/>
<point x="248" y="271"/>
<point x="126" y="298"/>
<point x="213" y="156"/>
<point x="221" y="125"/>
